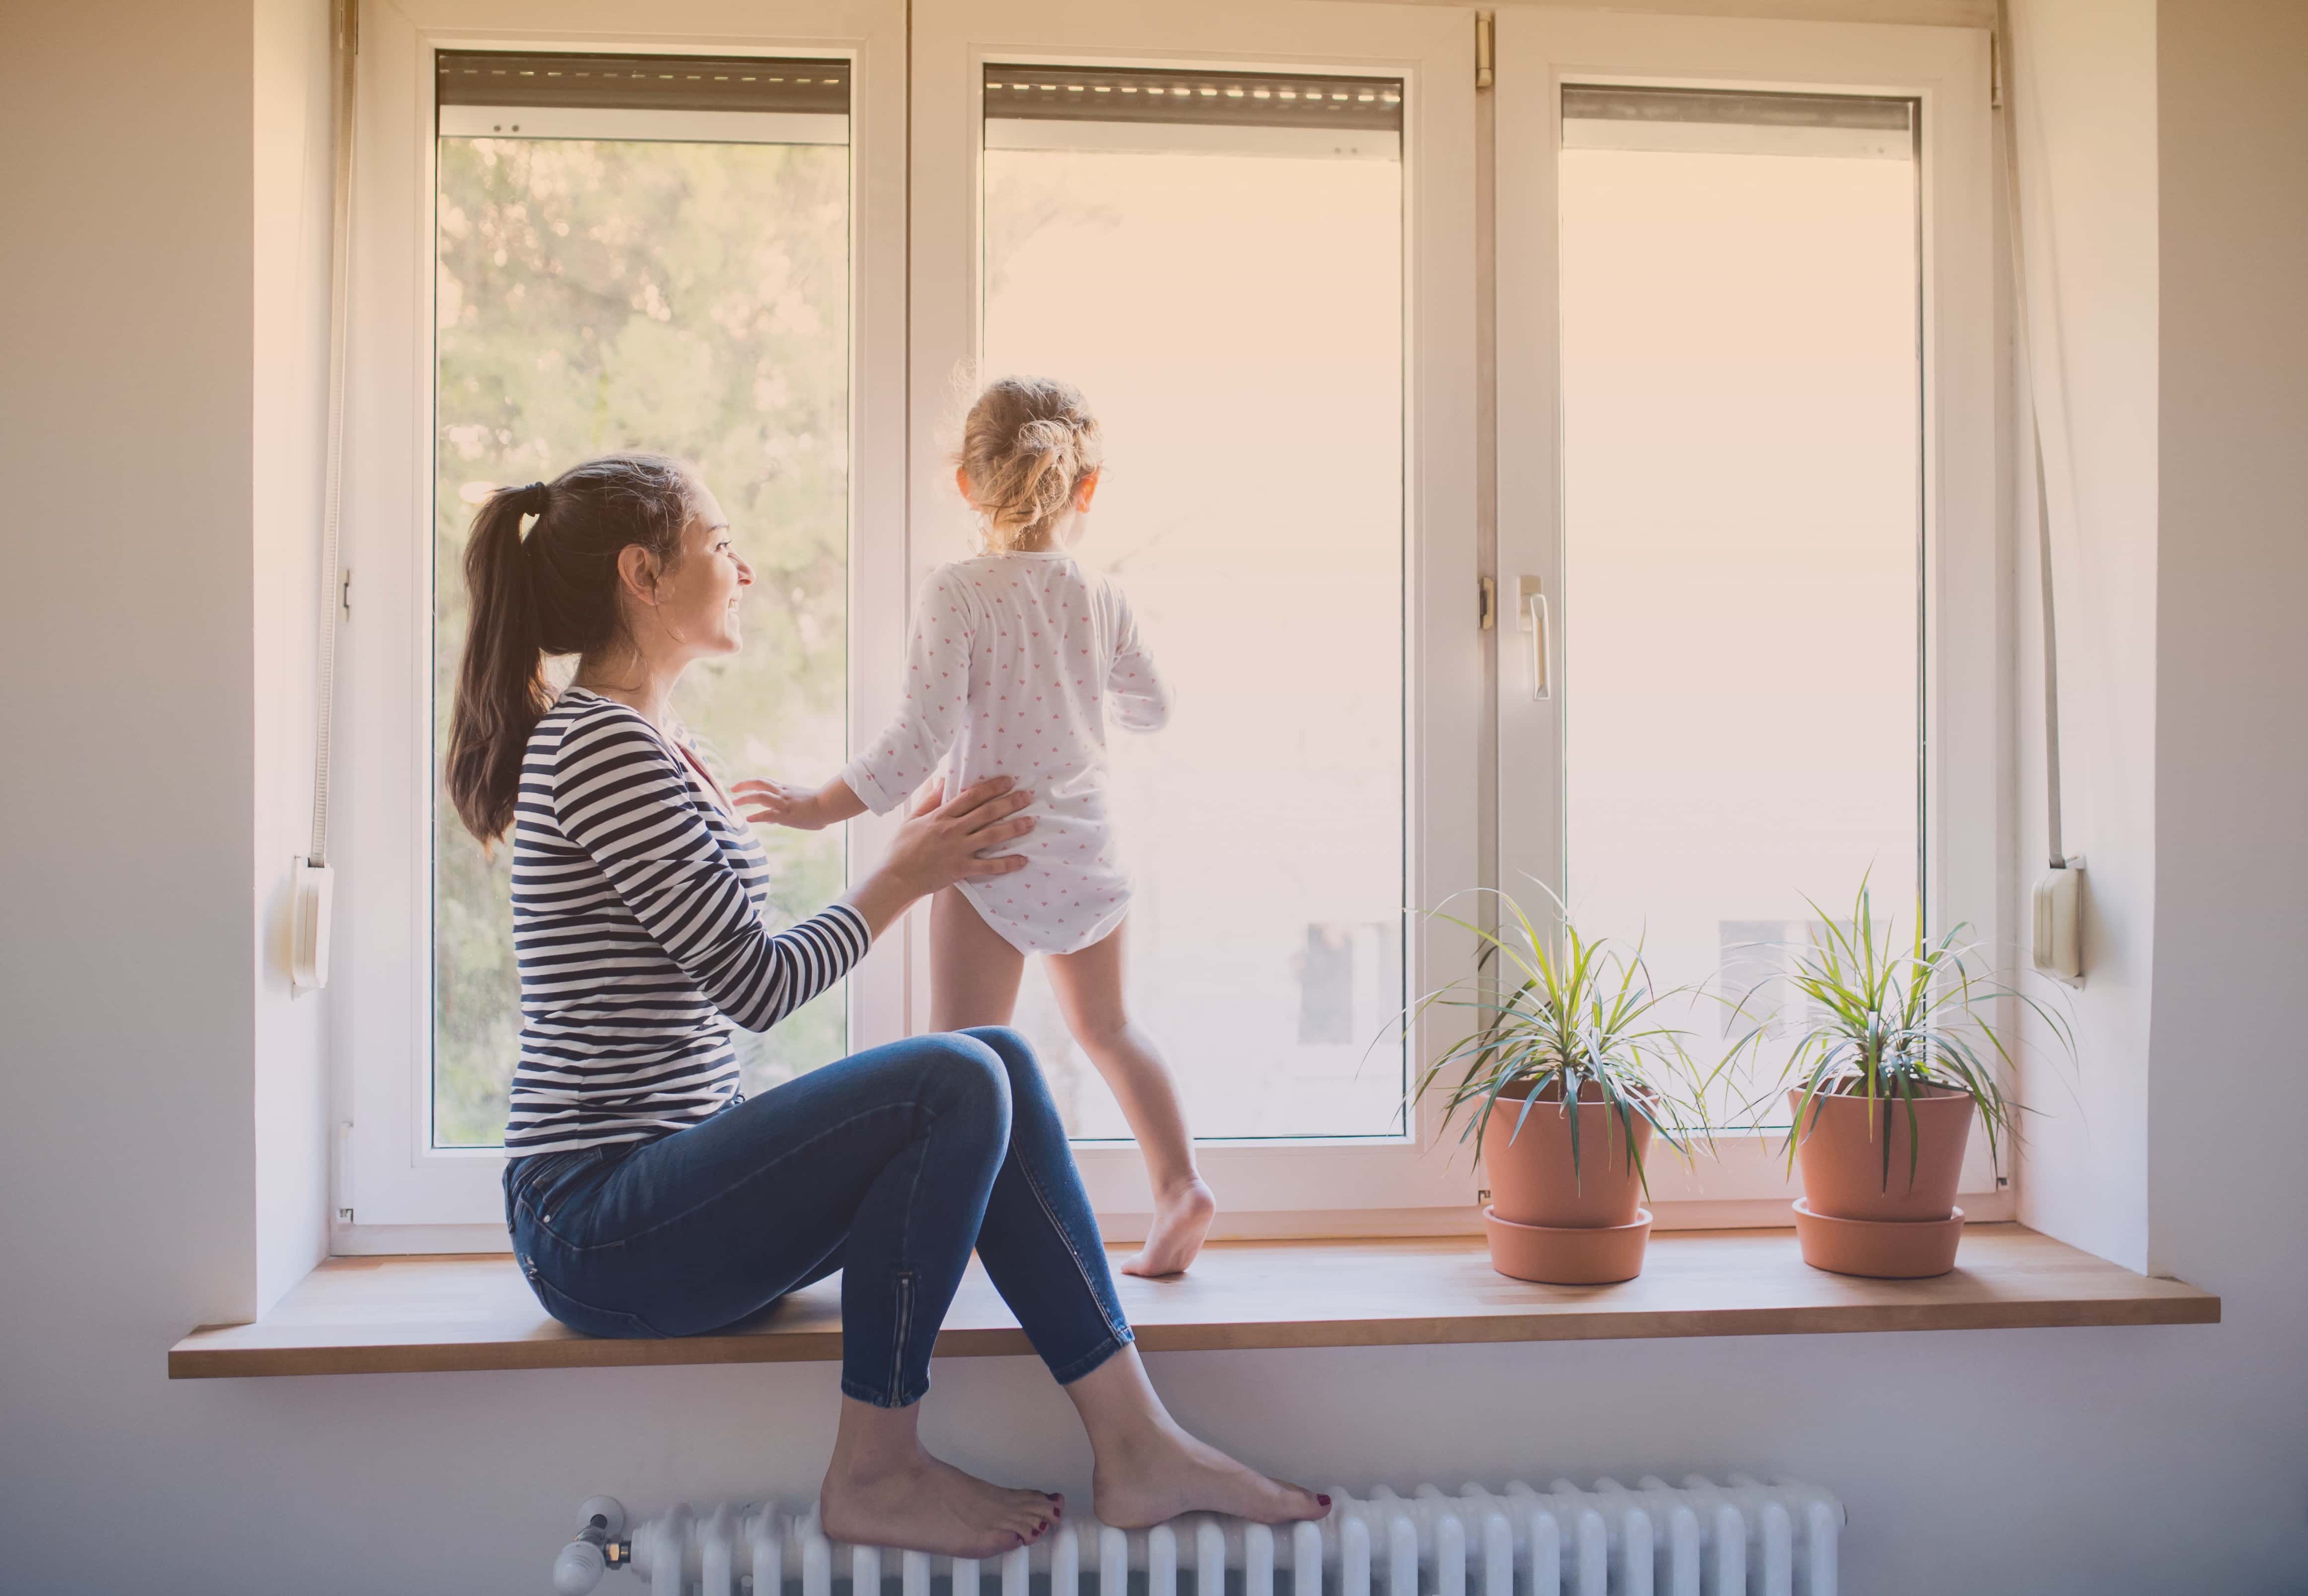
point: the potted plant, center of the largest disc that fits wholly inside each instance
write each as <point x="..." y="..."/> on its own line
<point x="1882" y="1084"/>
<point x="1565" y="1081"/>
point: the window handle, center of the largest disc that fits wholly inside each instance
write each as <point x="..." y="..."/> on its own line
<point x="1531" y="604"/>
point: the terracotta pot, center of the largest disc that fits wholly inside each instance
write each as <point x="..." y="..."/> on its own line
<point x="1840" y="1150"/>
<point x="1546" y="1222"/>
<point x="1568" y="1255"/>
<point x="1527" y="1166"/>
<point x="1855" y="1217"/>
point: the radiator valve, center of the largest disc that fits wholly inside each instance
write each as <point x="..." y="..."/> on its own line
<point x="599" y="1547"/>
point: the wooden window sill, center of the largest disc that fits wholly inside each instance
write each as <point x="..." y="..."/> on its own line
<point x="473" y="1311"/>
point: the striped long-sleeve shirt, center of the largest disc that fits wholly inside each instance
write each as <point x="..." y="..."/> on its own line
<point x="637" y="925"/>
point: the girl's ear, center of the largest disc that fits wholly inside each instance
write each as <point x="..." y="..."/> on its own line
<point x="1085" y="490"/>
<point x="962" y="485"/>
<point x="637" y="573"/>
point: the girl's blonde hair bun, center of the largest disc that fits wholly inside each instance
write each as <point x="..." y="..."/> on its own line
<point x="1026" y="445"/>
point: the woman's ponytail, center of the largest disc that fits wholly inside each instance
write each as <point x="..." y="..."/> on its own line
<point x="552" y="592"/>
<point x="501" y="693"/>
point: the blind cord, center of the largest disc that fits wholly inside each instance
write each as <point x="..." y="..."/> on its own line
<point x="2024" y="337"/>
<point x="345" y="44"/>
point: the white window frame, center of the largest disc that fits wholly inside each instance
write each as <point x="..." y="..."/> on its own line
<point x="1405" y="1185"/>
<point x="395" y="1192"/>
<point x="1965" y="668"/>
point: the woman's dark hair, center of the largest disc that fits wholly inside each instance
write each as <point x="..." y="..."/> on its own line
<point x="552" y="592"/>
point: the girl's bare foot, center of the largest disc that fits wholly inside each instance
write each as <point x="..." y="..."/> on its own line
<point x="1181" y="1220"/>
<point x="926" y="1505"/>
<point x="1161" y="1472"/>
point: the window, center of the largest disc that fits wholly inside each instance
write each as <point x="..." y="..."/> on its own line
<point x="649" y="253"/>
<point x="1742" y="542"/>
<point x="1216" y="259"/>
<point x="1744" y="457"/>
<point x="561" y="249"/>
<point x="1258" y="272"/>
<point x="1747" y="467"/>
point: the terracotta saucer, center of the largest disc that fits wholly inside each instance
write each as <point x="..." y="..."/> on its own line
<point x="1561" y="1255"/>
<point x="1878" y="1248"/>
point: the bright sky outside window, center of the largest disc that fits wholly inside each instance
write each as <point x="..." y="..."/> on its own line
<point x="1742" y="390"/>
<point x="1216" y="260"/>
<point x="647" y="252"/>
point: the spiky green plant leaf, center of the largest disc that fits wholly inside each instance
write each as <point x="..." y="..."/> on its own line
<point x="1559" y="1011"/>
<point x="1893" y="1023"/>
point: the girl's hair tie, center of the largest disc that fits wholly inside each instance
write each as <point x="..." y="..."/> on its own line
<point x="532" y="499"/>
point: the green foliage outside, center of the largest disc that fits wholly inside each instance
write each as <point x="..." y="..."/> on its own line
<point x="687" y="298"/>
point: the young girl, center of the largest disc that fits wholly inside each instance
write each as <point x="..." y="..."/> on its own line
<point x="1019" y="659"/>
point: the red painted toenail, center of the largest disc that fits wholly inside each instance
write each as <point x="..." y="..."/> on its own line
<point x="1325" y="1501"/>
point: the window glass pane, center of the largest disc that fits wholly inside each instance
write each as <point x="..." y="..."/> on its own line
<point x="1741" y="434"/>
<point x="690" y="297"/>
<point x="1228" y="295"/>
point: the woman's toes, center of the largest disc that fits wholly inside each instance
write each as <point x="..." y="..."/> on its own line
<point x="1296" y="1501"/>
<point x="1029" y="1518"/>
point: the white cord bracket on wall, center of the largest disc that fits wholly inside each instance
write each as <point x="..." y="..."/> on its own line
<point x="312" y="889"/>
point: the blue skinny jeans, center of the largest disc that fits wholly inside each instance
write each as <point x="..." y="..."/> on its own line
<point x="888" y="1165"/>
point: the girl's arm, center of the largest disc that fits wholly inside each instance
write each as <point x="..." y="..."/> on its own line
<point x="1137" y="696"/>
<point x="901" y="758"/>
<point x="805" y="809"/>
<point x="908" y="750"/>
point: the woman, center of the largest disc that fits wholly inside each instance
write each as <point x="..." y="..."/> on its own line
<point x="645" y="1197"/>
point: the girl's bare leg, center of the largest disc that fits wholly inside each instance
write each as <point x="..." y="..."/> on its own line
<point x="882" y="1489"/>
<point x="1089" y="991"/>
<point x="974" y="972"/>
<point x="1148" y="1469"/>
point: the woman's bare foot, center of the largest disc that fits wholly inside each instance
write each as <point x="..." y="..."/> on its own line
<point x="932" y="1506"/>
<point x="882" y="1489"/>
<point x="1174" y="1238"/>
<point x="1163" y="1471"/>
<point x="1148" y="1469"/>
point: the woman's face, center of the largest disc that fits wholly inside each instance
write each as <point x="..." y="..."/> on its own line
<point x="695" y="603"/>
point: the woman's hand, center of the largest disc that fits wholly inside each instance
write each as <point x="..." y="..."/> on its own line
<point x="944" y="843"/>
<point x="773" y="803"/>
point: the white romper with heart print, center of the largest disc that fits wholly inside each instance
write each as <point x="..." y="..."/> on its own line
<point x="1017" y="661"/>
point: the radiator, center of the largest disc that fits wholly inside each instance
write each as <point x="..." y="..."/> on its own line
<point x="1739" y="1538"/>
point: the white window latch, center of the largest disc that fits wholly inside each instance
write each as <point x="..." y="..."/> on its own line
<point x="1531" y="608"/>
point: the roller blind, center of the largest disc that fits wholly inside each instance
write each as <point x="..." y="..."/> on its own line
<point x="1046" y="108"/>
<point x="709" y="99"/>
<point x="1739" y="122"/>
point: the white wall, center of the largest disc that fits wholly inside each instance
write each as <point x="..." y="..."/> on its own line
<point x="2228" y="1047"/>
<point x="2105" y="1461"/>
<point x="128" y="1140"/>
<point x="2084" y="89"/>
